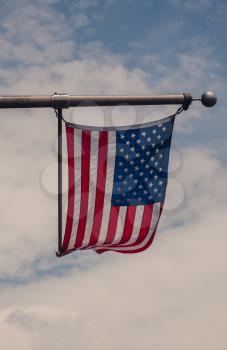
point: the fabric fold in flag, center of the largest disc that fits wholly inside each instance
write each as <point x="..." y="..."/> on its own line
<point x="117" y="184"/>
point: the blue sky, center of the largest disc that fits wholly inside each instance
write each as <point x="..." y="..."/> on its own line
<point x="177" y="289"/>
<point x="149" y="27"/>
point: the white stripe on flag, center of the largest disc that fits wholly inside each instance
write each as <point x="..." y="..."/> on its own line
<point x="137" y="224"/>
<point x="77" y="196"/>
<point x="94" y="152"/>
<point x="120" y="225"/>
<point x="108" y="186"/>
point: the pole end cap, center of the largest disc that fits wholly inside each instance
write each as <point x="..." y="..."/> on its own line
<point x="209" y="99"/>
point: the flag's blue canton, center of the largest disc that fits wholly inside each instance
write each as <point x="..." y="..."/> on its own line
<point x="141" y="164"/>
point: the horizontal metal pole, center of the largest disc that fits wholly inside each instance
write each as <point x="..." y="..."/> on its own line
<point x="66" y="101"/>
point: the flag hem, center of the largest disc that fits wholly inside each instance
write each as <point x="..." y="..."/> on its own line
<point x="120" y="127"/>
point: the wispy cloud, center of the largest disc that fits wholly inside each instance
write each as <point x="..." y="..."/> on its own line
<point x="32" y="35"/>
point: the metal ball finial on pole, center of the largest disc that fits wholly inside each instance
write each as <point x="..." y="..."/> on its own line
<point x="209" y="99"/>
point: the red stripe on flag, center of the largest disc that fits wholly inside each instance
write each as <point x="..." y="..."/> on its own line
<point x="71" y="185"/>
<point x="85" y="174"/>
<point x="100" y="188"/>
<point x="128" y="226"/>
<point x="112" y="226"/>
<point x="129" y="223"/>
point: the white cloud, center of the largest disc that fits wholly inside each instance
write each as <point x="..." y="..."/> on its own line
<point x="197" y="169"/>
<point x="34" y="35"/>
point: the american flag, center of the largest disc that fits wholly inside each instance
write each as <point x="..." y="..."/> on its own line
<point x="117" y="185"/>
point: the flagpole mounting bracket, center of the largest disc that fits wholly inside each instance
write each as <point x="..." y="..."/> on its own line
<point x="60" y="101"/>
